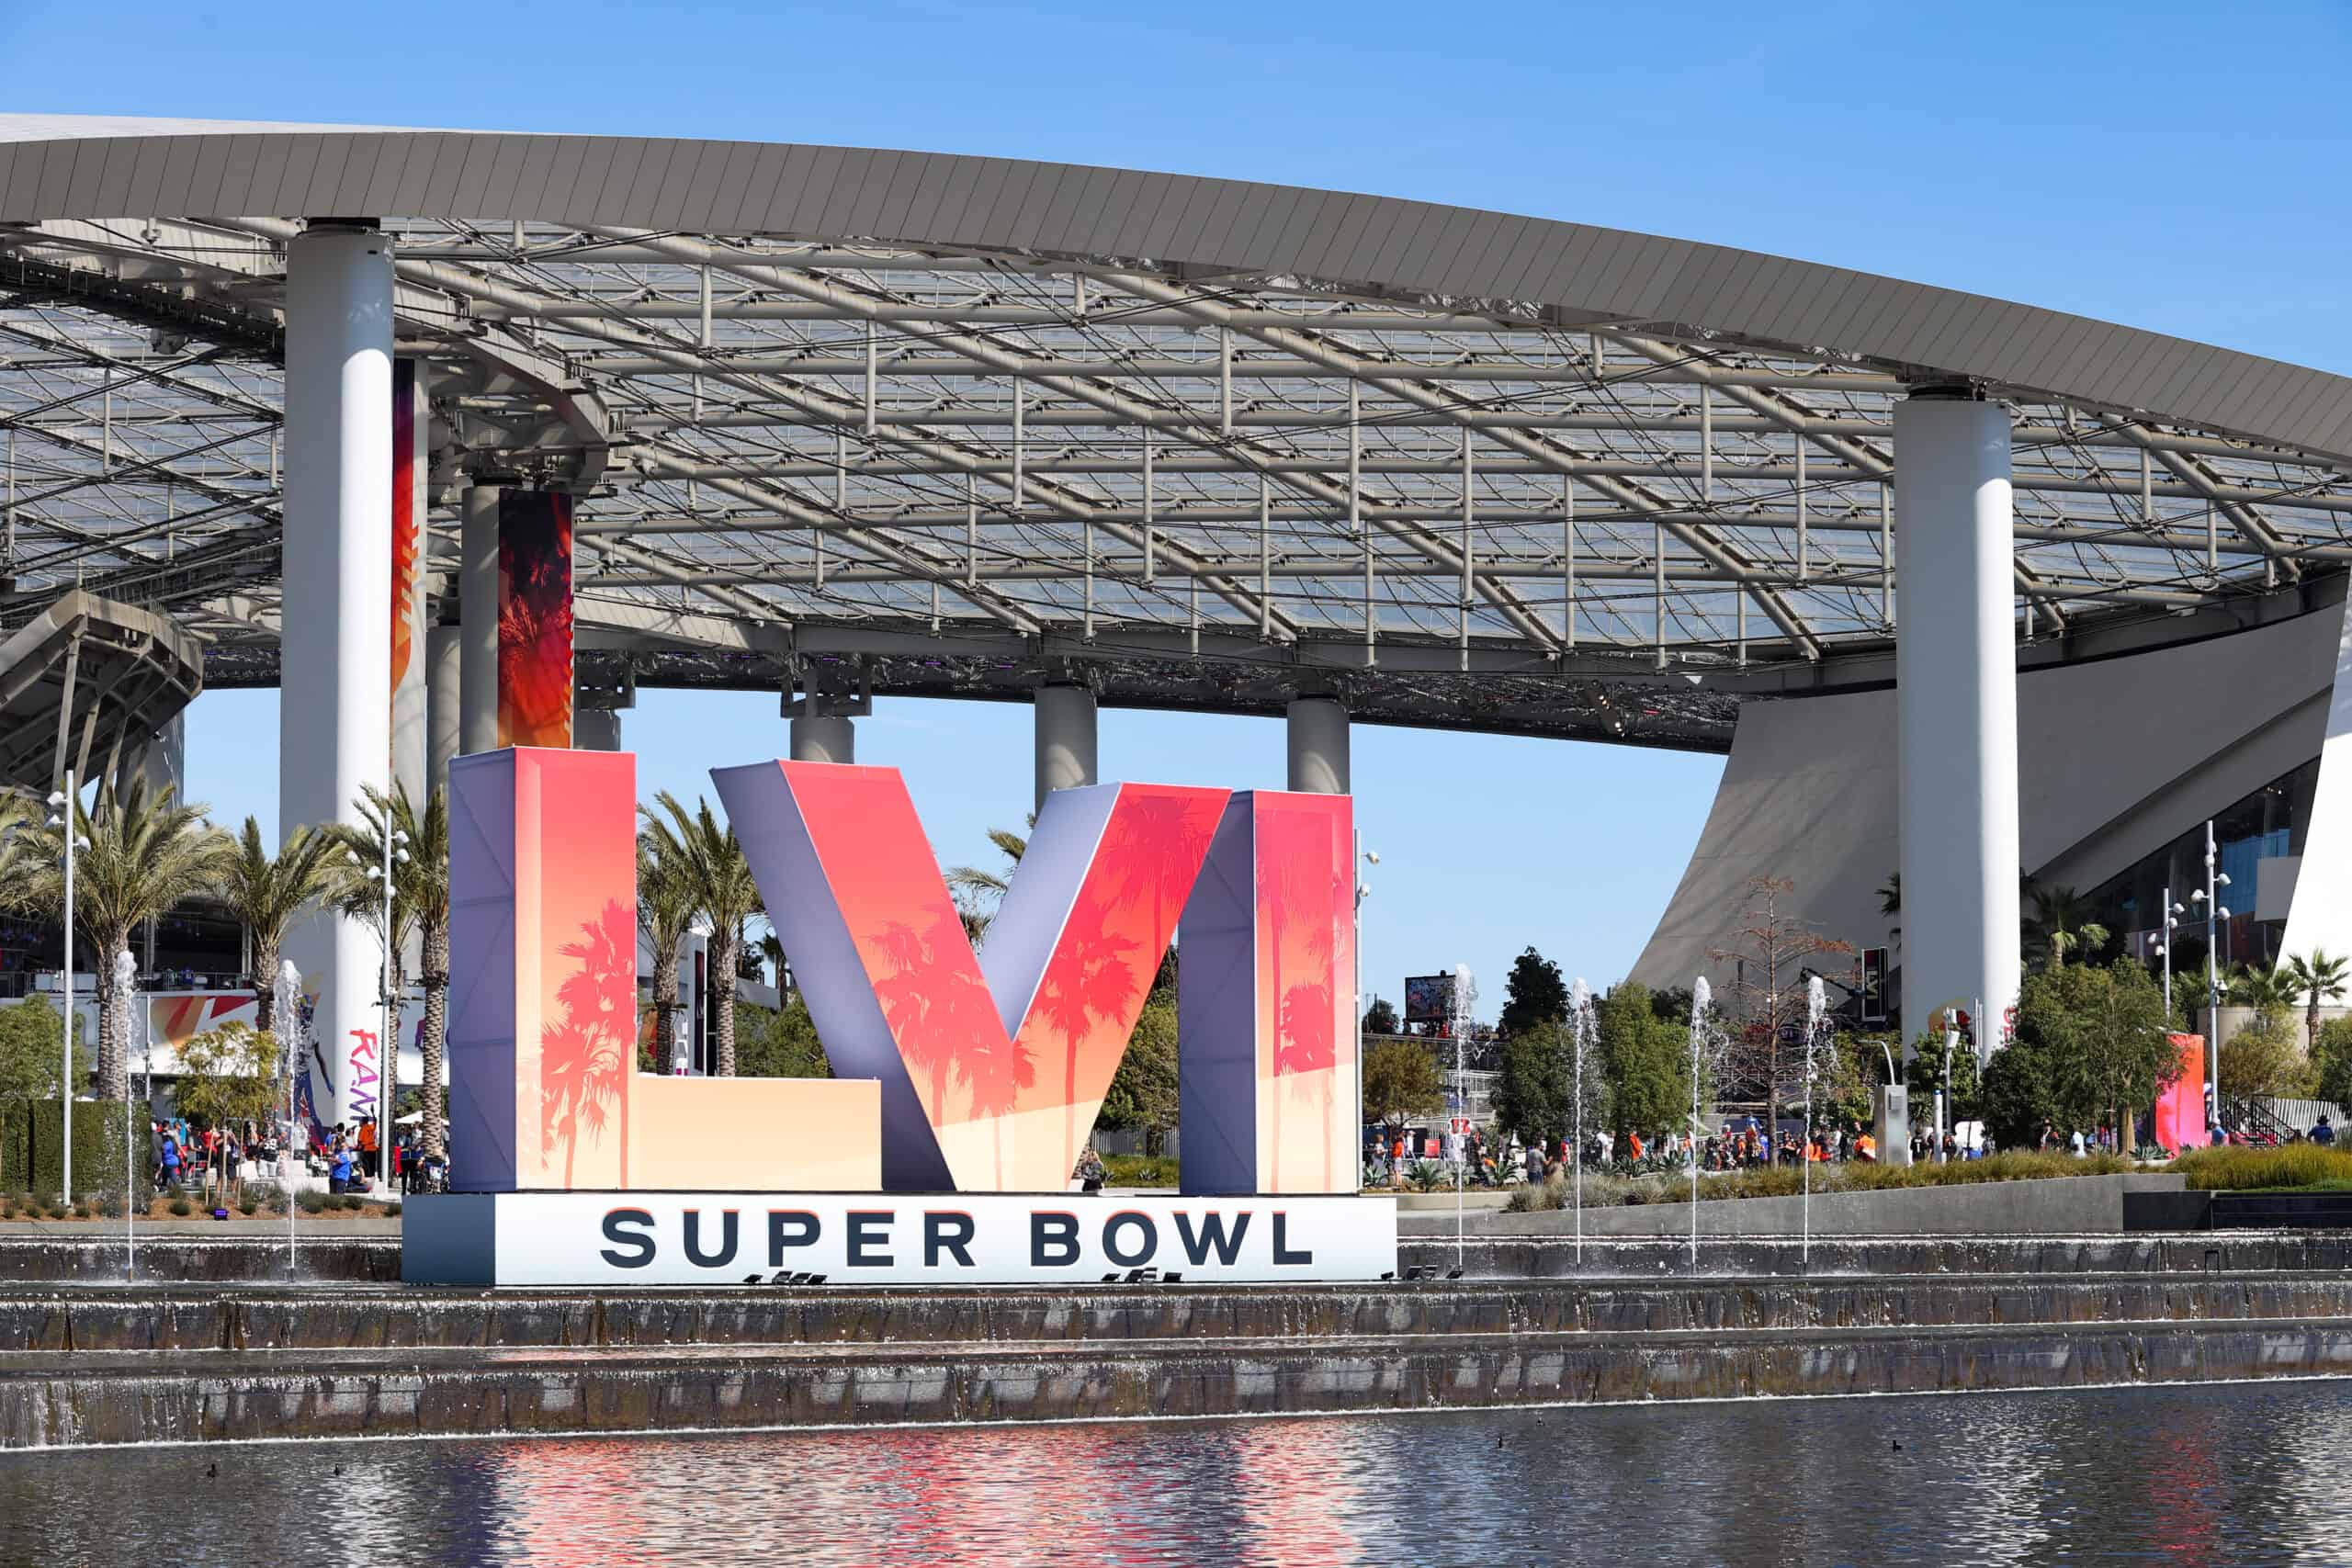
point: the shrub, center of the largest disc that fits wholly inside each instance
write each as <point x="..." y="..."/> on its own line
<point x="1427" y="1176"/>
<point x="2236" y="1169"/>
<point x="263" y="1195"/>
<point x="1138" y="1170"/>
<point x="182" y="1207"/>
<point x="310" y="1202"/>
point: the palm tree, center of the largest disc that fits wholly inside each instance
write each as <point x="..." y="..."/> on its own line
<point x="665" y="911"/>
<point x="2061" y="923"/>
<point x="978" y="891"/>
<point x="420" y="908"/>
<point x="146" y="853"/>
<point x="1890" y="904"/>
<point x="2319" y="977"/>
<point x="2263" y="990"/>
<point x="724" y="894"/>
<point x="271" y="894"/>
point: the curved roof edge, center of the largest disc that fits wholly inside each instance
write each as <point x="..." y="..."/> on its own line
<point x="60" y="166"/>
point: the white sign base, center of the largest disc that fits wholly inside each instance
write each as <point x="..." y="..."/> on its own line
<point x="734" y="1238"/>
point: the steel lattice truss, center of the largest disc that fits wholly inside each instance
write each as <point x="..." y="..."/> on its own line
<point x="956" y="470"/>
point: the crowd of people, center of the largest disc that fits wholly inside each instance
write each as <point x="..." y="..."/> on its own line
<point x="217" y="1159"/>
<point x="1491" y="1161"/>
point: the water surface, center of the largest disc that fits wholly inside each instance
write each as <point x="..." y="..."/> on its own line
<point x="2244" y="1473"/>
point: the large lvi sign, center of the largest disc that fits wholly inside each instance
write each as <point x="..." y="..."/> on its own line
<point x="960" y="1070"/>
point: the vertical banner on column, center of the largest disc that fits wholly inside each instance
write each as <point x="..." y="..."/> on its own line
<point x="1266" y="993"/>
<point x="543" y="993"/>
<point x="410" y="471"/>
<point x="534" y="618"/>
<point x="2180" y="1109"/>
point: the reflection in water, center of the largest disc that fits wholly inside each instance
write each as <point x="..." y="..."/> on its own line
<point x="2250" y="1473"/>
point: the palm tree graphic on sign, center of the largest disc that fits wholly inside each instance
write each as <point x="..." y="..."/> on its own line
<point x="583" y="1055"/>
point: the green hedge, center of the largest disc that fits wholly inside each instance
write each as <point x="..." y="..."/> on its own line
<point x="32" y="1146"/>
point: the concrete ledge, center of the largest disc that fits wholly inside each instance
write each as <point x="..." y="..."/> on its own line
<point x="2067" y="1205"/>
<point x="229" y="1396"/>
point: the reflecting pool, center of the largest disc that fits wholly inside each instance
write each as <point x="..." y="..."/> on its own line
<point x="2239" y="1474"/>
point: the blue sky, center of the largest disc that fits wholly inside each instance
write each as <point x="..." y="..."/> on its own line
<point x="2172" y="166"/>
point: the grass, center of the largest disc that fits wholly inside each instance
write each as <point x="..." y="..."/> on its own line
<point x="2296" y="1167"/>
<point x="1783" y="1181"/>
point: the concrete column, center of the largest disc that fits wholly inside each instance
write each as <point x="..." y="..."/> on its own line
<point x="1956" y="699"/>
<point x="595" y="729"/>
<point x="335" y="682"/>
<point x="444" y="662"/>
<point x="1318" y="745"/>
<point x="477" y="622"/>
<point x="1065" y="738"/>
<point x="823" y="738"/>
<point x="163" y="760"/>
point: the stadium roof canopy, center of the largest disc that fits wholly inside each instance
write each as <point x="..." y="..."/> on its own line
<point x="946" y="424"/>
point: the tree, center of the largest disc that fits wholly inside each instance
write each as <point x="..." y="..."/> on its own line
<point x="781" y="1042"/>
<point x="1923" y="1075"/>
<point x="1766" y="999"/>
<point x="145" y="854"/>
<point x="2263" y="990"/>
<point x="420" y="908"/>
<point x="2061" y="923"/>
<point x="228" y="1074"/>
<point x="1533" y="993"/>
<point x="1535" y="1093"/>
<point x="270" y="894"/>
<point x="724" y="892"/>
<point x="1380" y="1018"/>
<point x="1400" y="1080"/>
<point x="2021" y="1091"/>
<point x="2264" y="1058"/>
<point x="31" y="1054"/>
<point x="1890" y="904"/>
<point x="2332" y="1062"/>
<point x="665" y="912"/>
<point x="1143" y="1091"/>
<point x="2320" y="978"/>
<point x="2100" y="1039"/>
<point x="1644" y="1061"/>
<point x="978" y="891"/>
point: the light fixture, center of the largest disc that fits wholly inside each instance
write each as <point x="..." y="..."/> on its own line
<point x="1373" y="856"/>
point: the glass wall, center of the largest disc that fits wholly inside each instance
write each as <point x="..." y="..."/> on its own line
<point x="2266" y="826"/>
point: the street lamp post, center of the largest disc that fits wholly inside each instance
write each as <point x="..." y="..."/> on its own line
<point x="2209" y="897"/>
<point x="62" y="800"/>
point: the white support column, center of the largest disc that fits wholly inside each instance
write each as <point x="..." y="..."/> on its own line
<point x="334" y="709"/>
<point x="1956" y="698"/>
<point x="477" y="622"/>
<point x="823" y="738"/>
<point x="1065" y="738"/>
<point x="165" y="761"/>
<point x="444" y="664"/>
<point x="1317" y="728"/>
